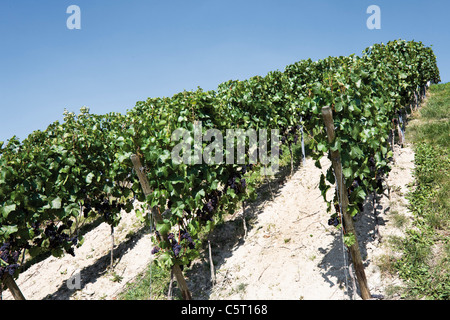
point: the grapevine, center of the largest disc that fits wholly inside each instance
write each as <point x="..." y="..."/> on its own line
<point x="82" y="166"/>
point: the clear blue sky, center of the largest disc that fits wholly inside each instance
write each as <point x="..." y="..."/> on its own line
<point x="129" y="50"/>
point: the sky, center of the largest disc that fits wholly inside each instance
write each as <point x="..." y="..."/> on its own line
<point x="127" y="51"/>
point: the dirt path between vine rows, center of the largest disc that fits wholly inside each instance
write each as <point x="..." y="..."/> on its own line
<point x="290" y="252"/>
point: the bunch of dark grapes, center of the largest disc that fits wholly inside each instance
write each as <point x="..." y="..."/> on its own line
<point x="204" y="216"/>
<point x="288" y="133"/>
<point x="155" y="250"/>
<point x="231" y="182"/>
<point x="379" y="174"/>
<point x="103" y="207"/>
<point x="186" y="236"/>
<point x="289" y="136"/>
<point x="236" y="182"/>
<point x="247" y="167"/>
<point x="9" y="257"/>
<point x="372" y="164"/>
<point x="176" y="247"/>
<point x="87" y="208"/>
<point x="294" y="132"/>
<point x="58" y="238"/>
<point x="355" y="184"/>
<point x="334" y="221"/>
<point x="210" y="207"/>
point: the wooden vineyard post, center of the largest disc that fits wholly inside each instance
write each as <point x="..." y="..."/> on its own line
<point x="343" y="196"/>
<point x="159" y="219"/>
<point x="211" y="263"/>
<point x="12" y="286"/>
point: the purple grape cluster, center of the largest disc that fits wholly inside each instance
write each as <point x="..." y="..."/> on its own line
<point x="380" y="173"/>
<point x="211" y="205"/>
<point x="236" y="182"/>
<point x="290" y="132"/>
<point x="58" y="238"/>
<point x="186" y="236"/>
<point x="334" y="221"/>
<point x="155" y="250"/>
<point x="356" y="183"/>
<point x="176" y="247"/>
<point x="103" y="207"/>
<point x="9" y="257"/>
<point x="86" y="209"/>
<point x="372" y="164"/>
<point x="246" y="168"/>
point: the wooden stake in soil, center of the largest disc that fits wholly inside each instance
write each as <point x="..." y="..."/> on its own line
<point x="213" y="273"/>
<point x="12" y="286"/>
<point x="157" y="217"/>
<point x="343" y="196"/>
<point x="112" y="248"/>
<point x="243" y="219"/>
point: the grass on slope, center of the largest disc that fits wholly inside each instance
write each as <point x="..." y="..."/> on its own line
<point x="425" y="262"/>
